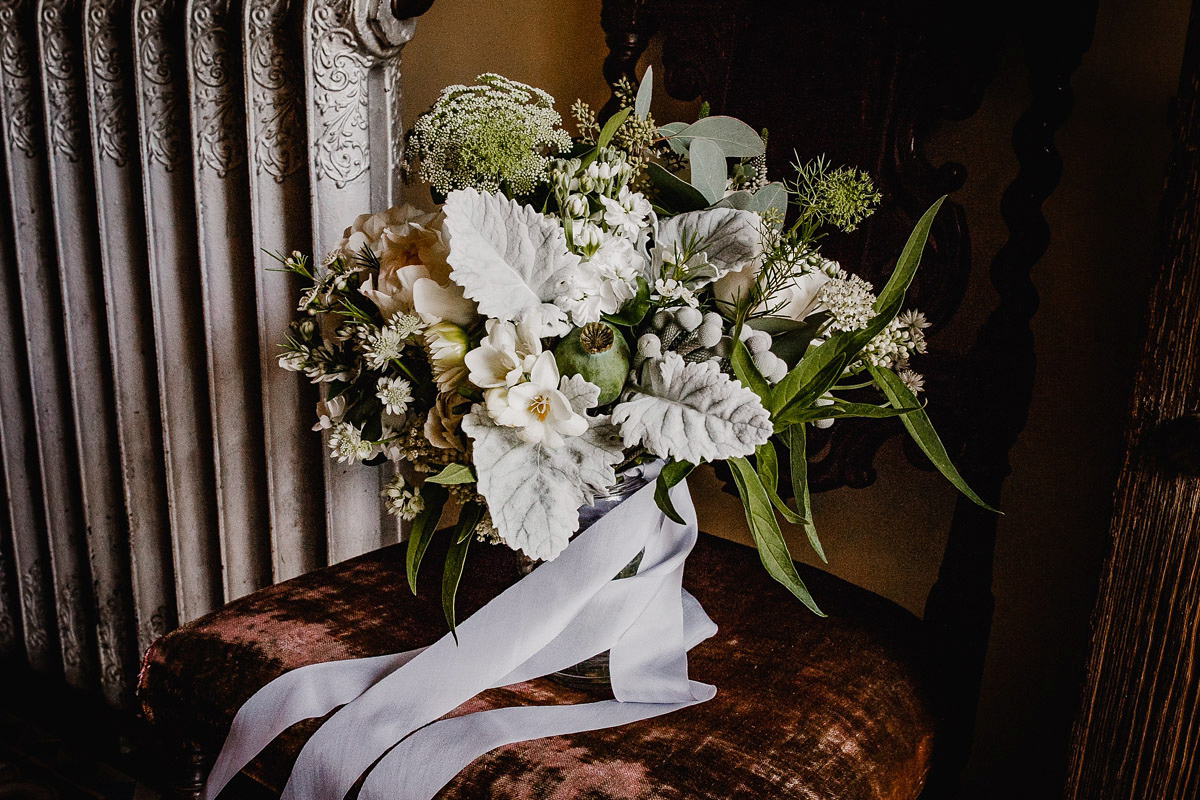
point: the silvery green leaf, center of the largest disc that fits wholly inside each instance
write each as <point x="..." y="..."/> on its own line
<point x="729" y="237"/>
<point x="506" y="256"/>
<point x="534" y="492"/>
<point x="771" y="196"/>
<point x="735" y="138"/>
<point x="641" y="104"/>
<point x="670" y="131"/>
<point x="692" y="412"/>
<point x="741" y="200"/>
<point x="675" y="193"/>
<point x="710" y="172"/>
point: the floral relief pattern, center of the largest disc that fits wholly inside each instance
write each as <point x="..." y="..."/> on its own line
<point x="63" y="83"/>
<point x="16" y="72"/>
<point x="161" y="105"/>
<point x="32" y="583"/>
<point x="113" y="643"/>
<point x="110" y="104"/>
<point x="276" y="98"/>
<point x="339" y="96"/>
<point x="216" y="102"/>
<point x="70" y="601"/>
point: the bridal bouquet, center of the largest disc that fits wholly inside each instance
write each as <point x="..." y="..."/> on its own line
<point x="577" y="306"/>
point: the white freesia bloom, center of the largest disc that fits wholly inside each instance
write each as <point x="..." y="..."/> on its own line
<point x="541" y="413"/>
<point x="504" y="356"/>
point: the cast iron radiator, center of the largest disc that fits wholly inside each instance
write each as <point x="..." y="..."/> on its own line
<point x="156" y="460"/>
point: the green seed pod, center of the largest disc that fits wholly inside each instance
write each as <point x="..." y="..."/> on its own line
<point x="599" y="353"/>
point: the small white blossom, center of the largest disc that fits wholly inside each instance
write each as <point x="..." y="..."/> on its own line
<point x="627" y="214"/>
<point x="671" y="290"/>
<point x="913" y="380"/>
<point x="402" y="500"/>
<point x="384" y="345"/>
<point x="541" y="413"/>
<point x="329" y="412"/>
<point x="395" y="394"/>
<point x="347" y="446"/>
<point x="850" y="303"/>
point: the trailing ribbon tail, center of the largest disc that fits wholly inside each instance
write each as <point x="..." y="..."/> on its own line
<point x="565" y="611"/>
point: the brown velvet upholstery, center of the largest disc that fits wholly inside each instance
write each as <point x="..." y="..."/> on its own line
<point x="820" y="709"/>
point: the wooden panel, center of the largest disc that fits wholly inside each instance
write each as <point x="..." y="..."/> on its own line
<point x="41" y="308"/>
<point x="1137" y="733"/>
<point x="64" y="100"/>
<point x="218" y="127"/>
<point x="177" y="311"/>
<point x="280" y="213"/>
<point x="110" y="84"/>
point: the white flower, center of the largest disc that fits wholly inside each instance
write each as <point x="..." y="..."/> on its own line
<point x="913" y="320"/>
<point x="447" y="345"/>
<point x="603" y="283"/>
<point x="347" y="446"/>
<point x="576" y="207"/>
<point x="545" y="320"/>
<point x="670" y="289"/>
<point x="329" y="412"/>
<point x="395" y="394"/>
<point x="850" y="302"/>
<point x="384" y="345"/>
<point x="913" y="380"/>
<point x="435" y="302"/>
<point x="627" y="215"/>
<point x="401" y="500"/>
<point x="583" y="298"/>
<point x="293" y="360"/>
<point x="392" y="290"/>
<point x="539" y="410"/>
<point x="504" y="356"/>
<point x="586" y="236"/>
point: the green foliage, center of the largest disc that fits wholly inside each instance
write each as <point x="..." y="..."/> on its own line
<point x="672" y="474"/>
<point x="842" y="197"/>
<point x="422" y="530"/>
<point x="456" y="559"/>
<point x="797" y="444"/>
<point x="453" y="474"/>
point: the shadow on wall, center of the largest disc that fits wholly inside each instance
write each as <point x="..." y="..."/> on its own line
<point x="889" y="537"/>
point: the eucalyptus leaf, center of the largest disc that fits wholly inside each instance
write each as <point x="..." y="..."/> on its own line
<point x="741" y="200"/>
<point x="921" y="429"/>
<point x="453" y="474"/>
<point x="641" y="105"/>
<point x="709" y="169"/>
<point x="670" y="132"/>
<point x="773" y="196"/>
<point x="735" y="138"/>
<point x="456" y="559"/>
<point x="772" y="548"/>
<point x="797" y="444"/>
<point x="672" y="474"/>
<point x="422" y="530"/>
<point x="675" y="195"/>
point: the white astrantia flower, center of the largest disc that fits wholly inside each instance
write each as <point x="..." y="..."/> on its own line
<point x="913" y="380"/>
<point x="541" y="413"/>
<point x="402" y="500"/>
<point x="329" y="412"/>
<point x="347" y="446"/>
<point x="395" y="394"/>
<point x="384" y="345"/>
<point x="447" y="344"/>
<point x="504" y="356"/>
<point x="627" y="214"/>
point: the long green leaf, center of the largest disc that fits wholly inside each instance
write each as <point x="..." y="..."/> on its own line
<point x="767" y="461"/>
<point x="746" y="371"/>
<point x="839" y="410"/>
<point x="772" y="549"/>
<point x="797" y="440"/>
<point x="456" y="559"/>
<point x="921" y="429"/>
<point x="610" y="127"/>
<point x="641" y="104"/>
<point x="910" y="258"/>
<point x="672" y="474"/>
<point x="807" y="393"/>
<point x="423" y="528"/>
<point x="676" y="194"/>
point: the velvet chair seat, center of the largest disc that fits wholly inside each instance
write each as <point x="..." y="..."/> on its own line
<point x="819" y="709"/>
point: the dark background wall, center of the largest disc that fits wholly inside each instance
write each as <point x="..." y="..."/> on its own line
<point x="1092" y="281"/>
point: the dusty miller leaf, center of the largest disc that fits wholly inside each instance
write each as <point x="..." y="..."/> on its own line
<point x="730" y="237"/>
<point x="534" y="492"/>
<point x="506" y="256"/>
<point x="692" y="412"/>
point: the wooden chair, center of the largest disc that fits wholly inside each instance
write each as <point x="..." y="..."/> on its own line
<point x="872" y="703"/>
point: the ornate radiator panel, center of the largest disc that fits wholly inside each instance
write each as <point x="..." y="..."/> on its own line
<point x="156" y="460"/>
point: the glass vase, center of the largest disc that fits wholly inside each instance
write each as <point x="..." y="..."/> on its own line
<point x="592" y="673"/>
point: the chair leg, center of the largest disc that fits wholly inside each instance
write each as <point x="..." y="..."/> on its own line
<point x="190" y="772"/>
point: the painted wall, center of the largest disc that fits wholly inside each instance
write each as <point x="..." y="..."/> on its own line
<point x="889" y="537"/>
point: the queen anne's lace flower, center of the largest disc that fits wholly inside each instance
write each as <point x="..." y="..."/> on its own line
<point x="849" y="301"/>
<point x="491" y="135"/>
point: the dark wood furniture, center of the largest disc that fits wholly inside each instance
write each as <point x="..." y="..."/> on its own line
<point x="1136" y="732"/>
<point x="864" y="83"/>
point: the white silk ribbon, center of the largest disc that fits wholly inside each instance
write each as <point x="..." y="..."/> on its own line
<point x="565" y="611"/>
